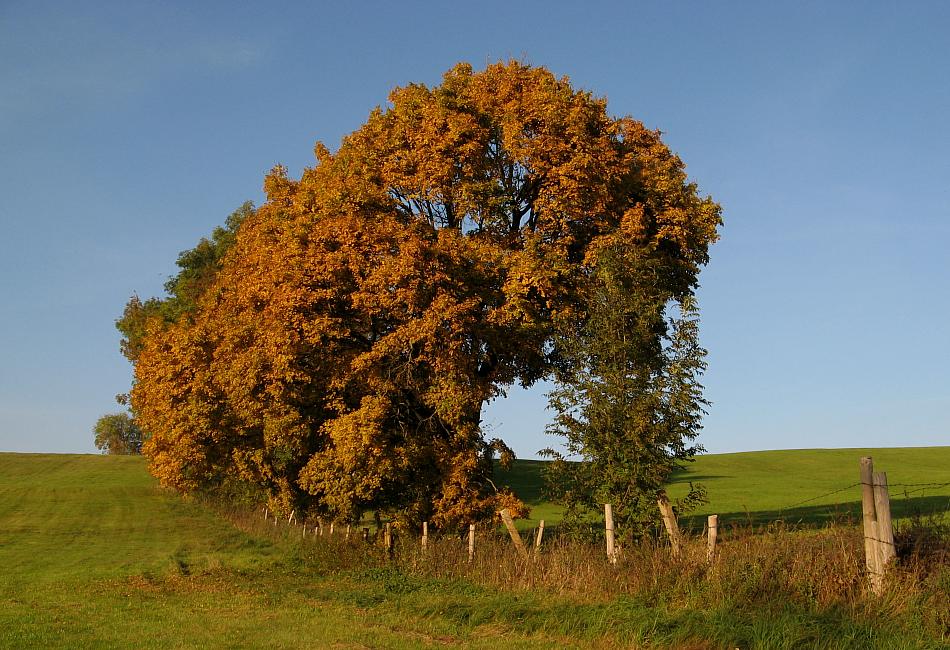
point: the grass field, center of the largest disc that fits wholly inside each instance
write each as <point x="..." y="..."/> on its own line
<point x="95" y="555"/>
<point x="765" y="486"/>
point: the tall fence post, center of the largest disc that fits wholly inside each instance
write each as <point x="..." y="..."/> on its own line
<point x="425" y="535"/>
<point x="885" y="529"/>
<point x="471" y="542"/>
<point x="713" y="533"/>
<point x="513" y="532"/>
<point x="669" y="520"/>
<point x="870" y="524"/>
<point x="609" y="530"/>
<point x="879" y="549"/>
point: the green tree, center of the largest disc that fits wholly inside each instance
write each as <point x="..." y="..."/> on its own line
<point x="117" y="434"/>
<point x="628" y="401"/>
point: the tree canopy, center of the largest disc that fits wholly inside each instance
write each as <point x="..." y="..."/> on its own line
<point x="342" y="351"/>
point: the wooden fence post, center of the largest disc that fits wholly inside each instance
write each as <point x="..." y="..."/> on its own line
<point x="366" y="534"/>
<point x="885" y="529"/>
<point x="537" y="540"/>
<point x="347" y="532"/>
<point x="471" y="542"/>
<point x="713" y="525"/>
<point x="388" y="539"/>
<point x="425" y="535"/>
<point x="513" y="532"/>
<point x="871" y="560"/>
<point x="669" y="520"/>
<point x="609" y="528"/>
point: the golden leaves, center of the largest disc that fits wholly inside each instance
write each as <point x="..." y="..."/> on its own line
<point x="369" y="309"/>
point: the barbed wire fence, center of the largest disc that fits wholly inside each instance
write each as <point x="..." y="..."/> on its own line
<point x="920" y="488"/>
<point x="920" y="535"/>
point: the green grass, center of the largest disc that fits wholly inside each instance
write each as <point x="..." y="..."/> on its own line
<point x="765" y="486"/>
<point x="95" y="555"/>
<point x="803" y="485"/>
<point x="69" y="516"/>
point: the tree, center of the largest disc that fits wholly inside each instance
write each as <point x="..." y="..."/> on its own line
<point x="117" y="434"/>
<point x="628" y="401"/>
<point x="343" y="351"/>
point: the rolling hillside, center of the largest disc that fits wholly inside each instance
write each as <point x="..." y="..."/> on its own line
<point x="807" y="485"/>
<point x="96" y="555"/>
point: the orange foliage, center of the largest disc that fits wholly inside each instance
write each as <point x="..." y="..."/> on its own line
<point x="369" y="310"/>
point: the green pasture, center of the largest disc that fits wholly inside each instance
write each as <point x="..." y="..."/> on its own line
<point x="796" y="486"/>
<point x="95" y="555"/>
<point x="818" y="485"/>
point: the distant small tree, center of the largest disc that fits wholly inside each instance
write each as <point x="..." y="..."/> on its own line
<point x="117" y="434"/>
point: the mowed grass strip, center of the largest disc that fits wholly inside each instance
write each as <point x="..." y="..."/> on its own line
<point x="802" y="485"/>
<point x="86" y="516"/>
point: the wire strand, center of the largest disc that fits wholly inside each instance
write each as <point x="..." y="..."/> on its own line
<point x="820" y="496"/>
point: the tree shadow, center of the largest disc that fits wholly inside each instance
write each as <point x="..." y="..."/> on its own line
<point x="695" y="478"/>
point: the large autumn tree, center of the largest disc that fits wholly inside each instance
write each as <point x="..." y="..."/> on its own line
<point x="343" y="353"/>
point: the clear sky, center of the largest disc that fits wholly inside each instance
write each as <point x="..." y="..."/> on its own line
<point x="129" y="130"/>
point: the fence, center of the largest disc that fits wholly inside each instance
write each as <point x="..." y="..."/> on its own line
<point x="880" y="548"/>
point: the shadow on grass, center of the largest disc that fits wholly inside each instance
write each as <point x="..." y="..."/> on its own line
<point x="695" y="478"/>
<point x="526" y="479"/>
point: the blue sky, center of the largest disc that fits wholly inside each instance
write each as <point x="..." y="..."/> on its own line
<point x="128" y="131"/>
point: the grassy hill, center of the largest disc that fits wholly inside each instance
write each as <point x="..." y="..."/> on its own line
<point x="805" y="485"/>
<point x="95" y="555"/>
